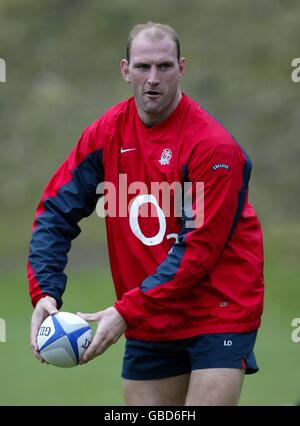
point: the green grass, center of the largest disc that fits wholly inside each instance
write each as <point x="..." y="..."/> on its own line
<point x="277" y="383"/>
<point x="24" y="381"/>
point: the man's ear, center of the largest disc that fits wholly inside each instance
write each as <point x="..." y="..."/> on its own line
<point x="124" y="67"/>
<point x="182" y="67"/>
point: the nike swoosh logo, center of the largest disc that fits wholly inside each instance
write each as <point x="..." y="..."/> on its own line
<point x="126" y="150"/>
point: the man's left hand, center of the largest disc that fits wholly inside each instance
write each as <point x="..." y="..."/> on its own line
<point x="111" y="326"/>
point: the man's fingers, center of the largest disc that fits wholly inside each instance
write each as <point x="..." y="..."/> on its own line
<point x="33" y="343"/>
<point x="110" y="327"/>
<point x="44" y="308"/>
<point x="38" y="356"/>
<point x="36" y="351"/>
<point x="52" y="311"/>
<point x="94" y="349"/>
<point x="88" y="355"/>
<point x="33" y="335"/>
<point x="89" y="317"/>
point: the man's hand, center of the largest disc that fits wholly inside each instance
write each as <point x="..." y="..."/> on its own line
<point x="45" y="307"/>
<point x="110" y="327"/>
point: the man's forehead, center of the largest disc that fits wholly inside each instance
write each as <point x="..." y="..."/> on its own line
<point x="153" y="45"/>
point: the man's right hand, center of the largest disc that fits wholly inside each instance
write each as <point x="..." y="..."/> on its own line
<point x="44" y="307"/>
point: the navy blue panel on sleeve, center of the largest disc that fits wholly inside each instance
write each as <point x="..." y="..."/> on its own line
<point x="57" y="225"/>
<point x="243" y="192"/>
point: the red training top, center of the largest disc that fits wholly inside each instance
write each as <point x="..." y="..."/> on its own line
<point x="174" y="277"/>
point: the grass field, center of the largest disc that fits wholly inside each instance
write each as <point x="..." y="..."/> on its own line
<point x="24" y="381"/>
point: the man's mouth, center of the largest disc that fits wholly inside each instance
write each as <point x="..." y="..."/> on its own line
<point x="153" y="93"/>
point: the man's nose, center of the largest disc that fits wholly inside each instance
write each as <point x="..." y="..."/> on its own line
<point x="153" y="75"/>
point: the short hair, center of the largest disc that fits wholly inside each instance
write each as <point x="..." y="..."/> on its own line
<point x="162" y="29"/>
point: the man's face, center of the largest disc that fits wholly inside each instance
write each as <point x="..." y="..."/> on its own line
<point x="154" y="74"/>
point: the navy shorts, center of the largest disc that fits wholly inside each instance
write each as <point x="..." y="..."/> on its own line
<point x="145" y="360"/>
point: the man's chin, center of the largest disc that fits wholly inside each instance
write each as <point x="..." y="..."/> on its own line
<point x="152" y="108"/>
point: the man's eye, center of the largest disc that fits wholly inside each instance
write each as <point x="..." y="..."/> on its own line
<point x="142" y="66"/>
<point x="164" y="66"/>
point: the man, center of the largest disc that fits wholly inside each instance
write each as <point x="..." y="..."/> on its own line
<point x="189" y="295"/>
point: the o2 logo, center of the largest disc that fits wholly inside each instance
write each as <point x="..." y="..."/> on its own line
<point x="137" y="203"/>
<point x="296" y="332"/>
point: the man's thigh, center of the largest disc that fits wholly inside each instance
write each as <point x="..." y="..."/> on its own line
<point x="167" y="391"/>
<point x="155" y="373"/>
<point x="215" y="386"/>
